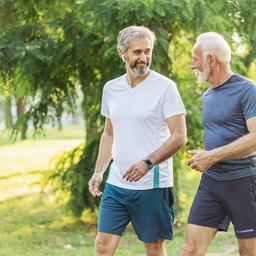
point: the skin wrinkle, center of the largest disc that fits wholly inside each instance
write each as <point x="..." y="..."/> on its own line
<point x="216" y="70"/>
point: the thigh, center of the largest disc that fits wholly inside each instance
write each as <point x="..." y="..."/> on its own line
<point x="113" y="215"/>
<point x="152" y="214"/>
<point x="198" y="239"/>
<point x="155" y="248"/>
<point x="247" y="246"/>
<point x="239" y="199"/>
<point x="207" y="209"/>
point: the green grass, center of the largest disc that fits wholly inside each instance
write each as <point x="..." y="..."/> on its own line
<point x="33" y="223"/>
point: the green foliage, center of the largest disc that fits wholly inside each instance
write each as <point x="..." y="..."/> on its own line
<point x="244" y="40"/>
<point x="50" y="48"/>
<point x="30" y="69"/>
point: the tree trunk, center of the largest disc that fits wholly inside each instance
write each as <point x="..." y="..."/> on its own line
<point x="59" y="125"/>
<point x="20" y="112"/>
<point x="8" y="113"/>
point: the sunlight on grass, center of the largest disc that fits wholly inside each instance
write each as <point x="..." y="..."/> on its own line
<point x="17" y="186"/>
<point x="33" y="223"/>
<point x="22" y="164"/>
<point x="29" y="151"/>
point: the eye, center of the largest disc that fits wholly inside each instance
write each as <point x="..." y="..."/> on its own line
<point x="194" y="60"/>
<point x="137" y="52"/>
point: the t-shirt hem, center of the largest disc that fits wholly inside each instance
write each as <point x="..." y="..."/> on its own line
<point x="138" y="188"/>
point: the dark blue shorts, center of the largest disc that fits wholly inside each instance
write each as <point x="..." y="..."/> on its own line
<point x="151" y="212"/>
<point x="216" y="203"/>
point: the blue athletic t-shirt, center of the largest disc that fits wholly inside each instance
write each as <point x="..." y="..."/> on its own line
<point x="225" y="111"/>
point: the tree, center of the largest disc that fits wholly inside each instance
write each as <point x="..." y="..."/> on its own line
<point x="50" y="47"/>
<point x="244" y="39"/>
<point x="29" y="68"/>
<point x="112" y="16"/>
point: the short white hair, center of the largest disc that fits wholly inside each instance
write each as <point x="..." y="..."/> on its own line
<point x="214" y="43"/>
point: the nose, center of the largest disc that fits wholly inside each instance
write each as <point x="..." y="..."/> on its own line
<point x="143" y="57"/>
<point x="192" y="65"/>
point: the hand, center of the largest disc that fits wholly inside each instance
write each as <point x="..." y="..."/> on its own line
<point x="201" y="161"/>
<point x="136" y="172"/>
<point x="94" y="184"/>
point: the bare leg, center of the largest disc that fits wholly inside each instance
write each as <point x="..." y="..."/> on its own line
<point x="247" y="247"/>
<point x="106" y="244"/>
<point x="198" y="240"/>
<point x="155" y="248"/>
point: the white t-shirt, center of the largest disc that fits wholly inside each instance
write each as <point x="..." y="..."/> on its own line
<point x="138" y="116"/>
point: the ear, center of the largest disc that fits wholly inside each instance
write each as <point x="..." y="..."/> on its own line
<point x="121" y="54"/>
<point x="212" y="59"/>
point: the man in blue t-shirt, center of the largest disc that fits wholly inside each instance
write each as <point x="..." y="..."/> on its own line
<point x="227" y="190"/>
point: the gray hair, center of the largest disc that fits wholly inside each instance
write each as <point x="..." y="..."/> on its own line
<point x="214" y="43"/>
<point x="131" y="33"/>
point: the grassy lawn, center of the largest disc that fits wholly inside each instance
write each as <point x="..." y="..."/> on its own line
<point x="32" y="223"/>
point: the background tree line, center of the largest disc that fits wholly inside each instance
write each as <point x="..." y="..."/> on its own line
<point x="50" y="48"/>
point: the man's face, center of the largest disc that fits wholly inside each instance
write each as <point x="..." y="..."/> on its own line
<point x="139" y="55"/>
<point x="204" y="75"/>
<point x="199" y="65"/>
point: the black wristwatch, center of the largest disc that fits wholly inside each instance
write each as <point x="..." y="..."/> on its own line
<point x="148" y="162"/>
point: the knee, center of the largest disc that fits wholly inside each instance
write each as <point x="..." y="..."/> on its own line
<point x="185" y="249"/>
<point x="100" y="246"/>
<point x="189" y="250"/>
<point x="103" y="246"/>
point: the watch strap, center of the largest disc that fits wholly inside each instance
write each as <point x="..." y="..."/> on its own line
<point x="148" y="162"/>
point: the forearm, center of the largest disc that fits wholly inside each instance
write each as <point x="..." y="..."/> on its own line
<point x="240" y="148"/>
<point x="104" y="154"/>
<point x="168" y="149"/>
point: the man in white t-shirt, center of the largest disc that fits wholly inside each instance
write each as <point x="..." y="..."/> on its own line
<point x="145" y="126"/>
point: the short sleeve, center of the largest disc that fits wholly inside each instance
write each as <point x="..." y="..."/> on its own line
<point x="248" y="100"/>
<point x="172" y="102"/>
<point x="104" y="104"/>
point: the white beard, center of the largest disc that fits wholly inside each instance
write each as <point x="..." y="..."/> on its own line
<point x="203" y="76"/>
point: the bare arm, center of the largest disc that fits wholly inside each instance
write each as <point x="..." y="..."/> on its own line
<point x="103" y="159"/>
<point x="176" y="141"/>
<point x="177" y="127"/>
<point x="240" y="148"/>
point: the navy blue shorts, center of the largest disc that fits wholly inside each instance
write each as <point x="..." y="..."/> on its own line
<point x="216" y="203"/>
<point x="151" y="212"/>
